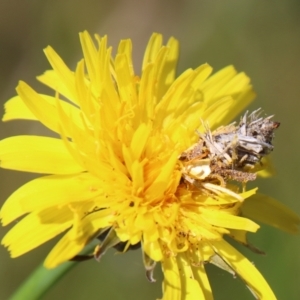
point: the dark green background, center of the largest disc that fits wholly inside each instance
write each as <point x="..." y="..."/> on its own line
<point x="261" y="38"/>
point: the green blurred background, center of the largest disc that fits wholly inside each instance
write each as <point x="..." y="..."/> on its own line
<point x="261" y="38"/>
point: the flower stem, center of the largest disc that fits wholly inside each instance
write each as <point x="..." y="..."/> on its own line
<point x="42" y="279"/>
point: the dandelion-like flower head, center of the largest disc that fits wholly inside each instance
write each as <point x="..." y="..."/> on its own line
<point x="136" y="162"/>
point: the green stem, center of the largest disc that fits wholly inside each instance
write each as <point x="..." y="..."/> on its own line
<point x="42" y="279"/>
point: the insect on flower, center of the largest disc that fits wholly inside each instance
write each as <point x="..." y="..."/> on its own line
<point x="230" y="152"/>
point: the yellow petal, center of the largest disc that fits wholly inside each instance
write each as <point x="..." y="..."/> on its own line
<point x="90" y="54"/>
<point x="201" y="277"/>
<point x="36" y="229"/>
<point x="190" y="287"/>
<point x="44" y="108"/>
<point x="171" y="284"/>
<point x="270" y="211"/>
<point x="181" y="94"/>
<point x="153" y="249"/>
<point x="167" y="68"/>
<point x="82" y="232"/>
<point x="37" y="154"/>
<point x="52" y="80"/>
<point x="15" y="108"/>
<point x="234" y="86"/>
<point x="221" y="219"/>
<point x="139" y="140"/>
<point x="224" y="83"/>
<point x="63" y="251"/>
<point x="125" y="47"/>
<point x="152" y="49"/>
<point x="215" y="113"/>
<point x="65" y="77"/>
<point x="242" y="100"/>
<point x="159" y="185"/>
<point x="216" y="82"/>
<point x="49" y="191"/>
<point x="126" y="83"/>
<point x="245" y="269"/>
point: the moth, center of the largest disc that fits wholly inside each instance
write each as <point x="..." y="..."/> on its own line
<point x="230" y="152"/>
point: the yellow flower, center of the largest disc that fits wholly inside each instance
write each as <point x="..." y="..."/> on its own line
<point x="116" y="168"/>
